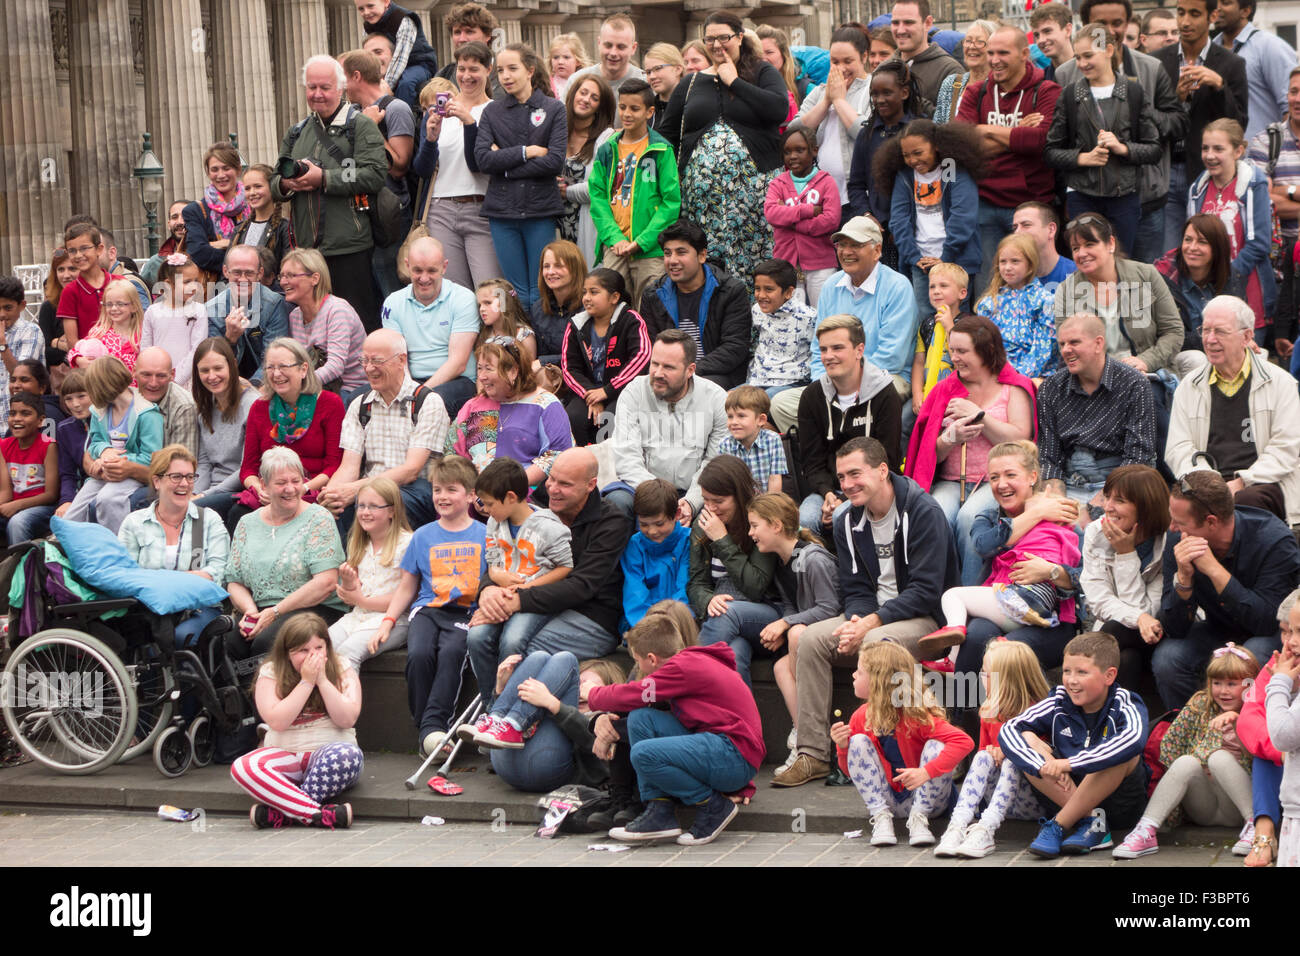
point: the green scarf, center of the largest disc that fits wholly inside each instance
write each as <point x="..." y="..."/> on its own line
<point x="288" y="424"/>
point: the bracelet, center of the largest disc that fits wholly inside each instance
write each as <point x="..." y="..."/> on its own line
<point x="389" y="618"/>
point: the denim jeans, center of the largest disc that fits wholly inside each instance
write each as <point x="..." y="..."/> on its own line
<point x="1176" y="207"/>
<point x="456" y="393"/>
<point x="1179" y="662"/>
<point x="1265" y="787"/>
<point x="1123" y="212"/>
<point x="739" y="627"/>
<point x="409" y="85"/>
<point x="187" y="631"/>
<point x="519" y="244"/>
<point x="1086" y="475"/>
<point x="28" y="524"/>
<point x="546" y="761"/>
<point x="1148" y="245"/>
<point x="490" y="644"/>
<point x="1047" y="643"/>
<point x="960" y="516"/>
<point x="576" y="633"/>
<point x="810" y="514"/>
<point x="995" y="224"/>
<point x="219" y="501"/>
<point x="673" y="762"/>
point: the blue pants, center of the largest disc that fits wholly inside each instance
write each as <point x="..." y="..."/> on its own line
<point x="1148" y="245"/>
<point x="1122" y="211"/>
<point x="519" y="244"/>
<point x="435" y="661"/>
<point x="1176" y="208"/>
<point x="1179" y="662"/>
<point x="1265" y="787"/>
<point x="672" y="762"/>
<point x="409" y="85"/>
<point x="739" y="627"/>
<point x="810" y="514"/>
<point x="490" y="644"/>
<point x="454" y="394"/>
<point x="576" y="633"/>
<point x="995" y="224"/>
<point x="221" y="502"/>
<point x="1048" y="644"/>
<point x="187" y="631"/>
<point x="28" y="524"/>
<point x="546" y="762"/>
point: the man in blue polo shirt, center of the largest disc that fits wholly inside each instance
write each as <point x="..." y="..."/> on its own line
<point x="439" y="321"/>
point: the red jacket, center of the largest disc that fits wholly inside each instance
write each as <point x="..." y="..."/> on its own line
<point x="703" y="691"/>
<point x="911" y="736"/>
<point x="1252" y="726"/>
<point x="800" y="236"/>
<point x="989" y="730"/>
<point x="1020" y="174"/>
<point x="319" y="448"/>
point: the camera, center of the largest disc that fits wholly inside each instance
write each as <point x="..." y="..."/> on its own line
<point x="440" y="103"/>
<point x="289" y="168"/>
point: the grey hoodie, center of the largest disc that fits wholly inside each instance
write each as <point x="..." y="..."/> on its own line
<point x="549" y="540"/>
<point x="818" y="579"/>
<point x="1283" y="714"/>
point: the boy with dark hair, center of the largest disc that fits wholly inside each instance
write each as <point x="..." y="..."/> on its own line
<point x="526" y="546"/>
<point x="708" y="742"/>
<point x="445" y="564"/>
<point x="785" y="329"/>
<point x="748" y="408"/>
<point x="657" y="562"/>
<point x="20" y="339"/>
<point x="1081" y="748"/>
<point x="635" y="191"/>
<point x="80" y="300"/>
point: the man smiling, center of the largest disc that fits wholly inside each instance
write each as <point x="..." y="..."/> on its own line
<point x="616" y="47"/>
<point x="930" y="65"/>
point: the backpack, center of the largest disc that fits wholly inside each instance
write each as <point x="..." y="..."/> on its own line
<point x="384" y="207"/>
<point x="1151" y="752"/>
<point x="417" y="399"/>
<point x="1277" y="251"/>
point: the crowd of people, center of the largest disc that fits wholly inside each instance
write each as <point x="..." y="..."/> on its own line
<point x="924" y="354"/>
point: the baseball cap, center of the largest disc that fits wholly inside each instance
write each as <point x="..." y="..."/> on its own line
<point x="860" y="229"/>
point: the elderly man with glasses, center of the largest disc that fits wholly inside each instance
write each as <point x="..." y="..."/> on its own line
<point x="390" y="432"/>
<point x="246" y="313"/>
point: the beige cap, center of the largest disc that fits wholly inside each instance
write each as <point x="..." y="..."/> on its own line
<point x="860" y="229"/>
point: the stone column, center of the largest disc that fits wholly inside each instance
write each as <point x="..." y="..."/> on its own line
<point x="105" y="140"/>
<point x="299" y="32"/>
<point x="345" y="28"/>
<point x="34" y="195"/>
<point x="177" y="105"/>
<point x="243" y="91"/>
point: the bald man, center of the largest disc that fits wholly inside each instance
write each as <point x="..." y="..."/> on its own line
<point x="580" y="613"/>
<point x="390" y="431"/>
<point x="154" y="379"/>
<point x="1094" y="415"/>
<point x="439" y="321"/>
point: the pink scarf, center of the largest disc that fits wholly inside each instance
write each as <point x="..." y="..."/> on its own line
<point x="226" y="217"/>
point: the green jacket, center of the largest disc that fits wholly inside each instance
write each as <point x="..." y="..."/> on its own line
<point x="339" y="228"/>
<point x="656" y="202"/>
<point x="748" y="577"/>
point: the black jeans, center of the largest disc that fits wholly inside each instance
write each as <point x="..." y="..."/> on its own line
<point x="351" y="278"/>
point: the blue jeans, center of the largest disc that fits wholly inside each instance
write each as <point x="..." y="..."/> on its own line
<point x="1176" y="207"/>
<point x="1148" y="245"/>
<point x="810" y="514"/>
<point x="490" y="644"/>
<point x="995" y="224"/>
<point x="409" y="85"/>
<point x="1048" y="644"/>
<point x="1265" y="784"/>
<point x="456" y="393"/>
<point x="1086" y="475"/>
<point x="546" y="762"/>
<point x="672" y="762"/>
<point x="28" y="524"/>
<point x="219" y="501"/>
<point x="739" y="627"/>
<point x="576" y="633"/>
<point x="519" y="244"/>
<point x="1179" y="662"/>
<point x="1122" y="211"/>
<point x="921" y="289"/>
<point x="960" y="517"/>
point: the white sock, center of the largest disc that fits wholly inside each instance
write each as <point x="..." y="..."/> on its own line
<point x="1147" y="822"/>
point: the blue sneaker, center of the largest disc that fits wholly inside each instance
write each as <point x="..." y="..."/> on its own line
<point x="1091" y="833"/>
<point x="657" y="822"/>
<point x="1048" y="842"/>
<point x="711" y="819"/>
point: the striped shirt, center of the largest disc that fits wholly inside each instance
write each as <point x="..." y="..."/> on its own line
<point x="1286" y="172"/>
<point x="764" y="458"/>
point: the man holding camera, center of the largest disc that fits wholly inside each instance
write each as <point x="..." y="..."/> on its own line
<point x="331" y="166"/>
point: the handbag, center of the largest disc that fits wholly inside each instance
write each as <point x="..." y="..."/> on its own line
<point x="418" y="231"/>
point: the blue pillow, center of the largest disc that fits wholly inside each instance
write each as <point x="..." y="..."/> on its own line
<point x="102" y="562"/>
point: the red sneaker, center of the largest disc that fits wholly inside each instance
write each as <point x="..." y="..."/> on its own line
<point x="941" y="666"/>
<point x="467" y="732"/>
<point x="501" y="736"/>
<point x="934" y="645"/>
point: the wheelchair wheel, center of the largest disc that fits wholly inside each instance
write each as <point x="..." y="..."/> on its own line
<point x="153" y="684"/>
<point x="202" y="740"/>
<point x="173" y="752"/>
<point x="68" y="701"/>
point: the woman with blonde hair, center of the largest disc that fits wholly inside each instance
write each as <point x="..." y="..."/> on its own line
<point x="664" y="68"/>
<point x="326" y="325"/>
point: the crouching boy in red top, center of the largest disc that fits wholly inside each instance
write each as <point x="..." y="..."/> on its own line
<point x="707" y="744"/>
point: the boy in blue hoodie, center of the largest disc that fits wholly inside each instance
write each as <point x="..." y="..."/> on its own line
<point x="1081" y="748"/>
<point x="657" y="561"/>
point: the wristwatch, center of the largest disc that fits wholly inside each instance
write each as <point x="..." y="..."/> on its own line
<point x="3" y="348"/>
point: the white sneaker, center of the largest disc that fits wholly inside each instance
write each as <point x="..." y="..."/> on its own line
<point x="918" y="829"/>
<point x="952" y="839"/>
<point x="1245" y="840"/>
<point x="882" y="829"/>
<point x="792" y="739"/>
<point x="432" y="741"/>
<point x="977" y="844"/>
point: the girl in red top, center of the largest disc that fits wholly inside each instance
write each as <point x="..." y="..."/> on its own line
<point x="29" y="471"/>
<point x="900" y="758"/>
<point x="1013" y="682"/>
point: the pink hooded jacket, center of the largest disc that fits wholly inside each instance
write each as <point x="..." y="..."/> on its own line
<point x="800" y="236"/>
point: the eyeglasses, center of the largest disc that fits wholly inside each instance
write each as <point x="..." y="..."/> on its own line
<point x="246" y="273"/>
<point x="113" y="306"/>
<point x="366" y="507"/>
<point x="374" y="362"/>
<point x="294" y="275"/>
<point x="283" y="368"/>
<point x="181" y="478"/>
<point x="652" y="70"/>
<point x="720" y="38"/>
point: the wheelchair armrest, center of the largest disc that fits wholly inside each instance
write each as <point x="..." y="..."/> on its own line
<point x="95" y="608"/>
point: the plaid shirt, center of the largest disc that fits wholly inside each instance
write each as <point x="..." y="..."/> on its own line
<point x="766" y="457"/>
<point x="390" y="433"/>
<point x="24" y="342"/>
<point x="180" y="418"/>
<point x="145" y="540"/>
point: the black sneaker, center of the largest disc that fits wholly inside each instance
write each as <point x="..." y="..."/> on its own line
<point x="263" y="817"/>
<point x="658" y="822"/>
<point x="333" y="816"/>
<point x="711" y="818"/>
<point x="628" y="813"/>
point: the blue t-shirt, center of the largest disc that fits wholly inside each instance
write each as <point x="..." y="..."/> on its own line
<point x="451" y="564"/>
<point x="1064" y="266"/>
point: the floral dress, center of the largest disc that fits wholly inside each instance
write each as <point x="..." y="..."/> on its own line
<point x="115" y="345"/>
<point x="1024" y="317"/>
<point x="724" y="192"/>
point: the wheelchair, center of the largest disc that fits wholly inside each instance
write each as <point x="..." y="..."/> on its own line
<point x="102" y="681"/>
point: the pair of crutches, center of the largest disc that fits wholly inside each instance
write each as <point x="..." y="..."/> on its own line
<point x="467" y="716"/>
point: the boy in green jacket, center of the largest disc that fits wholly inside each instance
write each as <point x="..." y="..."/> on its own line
<point x="635" y="192"/>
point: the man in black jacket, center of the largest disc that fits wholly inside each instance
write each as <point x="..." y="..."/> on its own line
<point x="704" y="302"/>
<point x="1211" y="81"/>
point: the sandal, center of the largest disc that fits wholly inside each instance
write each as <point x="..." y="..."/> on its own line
<point x="1260" y="844"/>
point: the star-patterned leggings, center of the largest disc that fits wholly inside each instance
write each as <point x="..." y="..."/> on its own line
<point x="1007" y="791"/>
<point x="868" y="775"/>
<point x="297" y="784"/>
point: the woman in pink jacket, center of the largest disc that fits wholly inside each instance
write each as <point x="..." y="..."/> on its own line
<point x="803" y="206"/>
